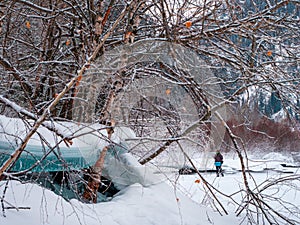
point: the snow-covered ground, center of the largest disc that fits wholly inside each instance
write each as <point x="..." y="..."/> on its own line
<point x="150" y="196"/>
<point x="175" y="200"/>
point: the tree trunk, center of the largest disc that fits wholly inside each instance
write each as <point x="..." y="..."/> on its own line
<point x="94" y="182"/>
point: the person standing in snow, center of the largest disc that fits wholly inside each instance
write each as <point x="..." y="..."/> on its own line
<point x="218" y="163"/>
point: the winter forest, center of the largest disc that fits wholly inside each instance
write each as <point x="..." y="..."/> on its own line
<point x="97" y="97"/>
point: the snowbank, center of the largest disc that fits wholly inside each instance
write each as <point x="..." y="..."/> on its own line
<point x="155" y="205"/>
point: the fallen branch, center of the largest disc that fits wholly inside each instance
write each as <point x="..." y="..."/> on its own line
<point x="17" y="208"/>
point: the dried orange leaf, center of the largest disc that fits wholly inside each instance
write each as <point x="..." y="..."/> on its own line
<point x="27" y="24"/>
<point x="68" y="42"/>
<point x="188" y="24"/>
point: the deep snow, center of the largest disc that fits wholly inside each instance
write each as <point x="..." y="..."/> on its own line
<point x="174" y="200"/>
<point x="154" y="196"/>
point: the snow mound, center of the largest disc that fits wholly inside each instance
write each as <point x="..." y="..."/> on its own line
<point x="275" y="156"/>
<point x="155" y="205"/>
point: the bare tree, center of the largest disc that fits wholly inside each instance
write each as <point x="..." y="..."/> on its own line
<point x="90" y="61"/>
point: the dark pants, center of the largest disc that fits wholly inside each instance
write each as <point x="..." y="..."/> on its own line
<point x="219" y="170"/>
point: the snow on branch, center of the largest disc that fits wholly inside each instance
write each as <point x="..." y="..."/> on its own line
<point x="16" y="74"/>
<point x="35" y="6"/>
<point x="24" y="112"/>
